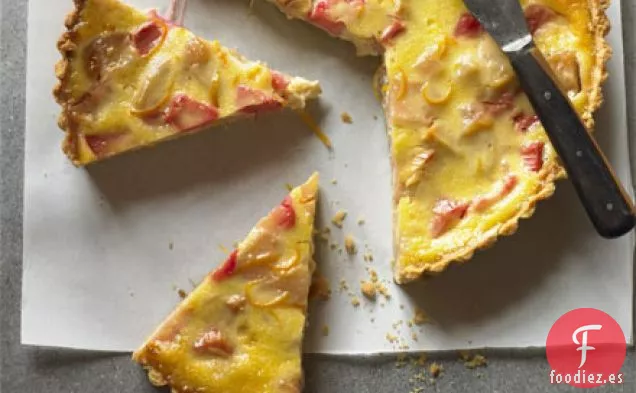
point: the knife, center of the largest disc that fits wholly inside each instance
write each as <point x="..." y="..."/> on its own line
<point x="606" y="202"/>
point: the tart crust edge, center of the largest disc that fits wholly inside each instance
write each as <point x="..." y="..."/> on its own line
<point x="67" y="46"/>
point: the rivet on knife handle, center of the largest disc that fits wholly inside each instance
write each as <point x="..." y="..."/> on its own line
<point x="606" y="202"/>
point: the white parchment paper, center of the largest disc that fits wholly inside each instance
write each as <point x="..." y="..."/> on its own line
<point x="99" y="272"/>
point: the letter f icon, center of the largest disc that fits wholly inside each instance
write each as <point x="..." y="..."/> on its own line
<point x="584" y="347"/>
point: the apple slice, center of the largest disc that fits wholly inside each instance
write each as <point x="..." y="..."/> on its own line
<point x="156" y="88"/>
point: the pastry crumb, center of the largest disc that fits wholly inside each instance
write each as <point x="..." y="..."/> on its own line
<point x="343" y="285"/>
<point x="421" y="360"/>
<point x="391" y="338"/>
<point x="289" y="187"/>
<point x="382" y="289"/>
<point x="401" y="360"/>
<point x="339" y="218"/>
<point x="182" y="294"/>
<point x="368" y="257"/>
<point x="473" y="361"/>
<point x="361" y="221"/>
<point x="355" y="301"/>
<point x="325" y="330"/>
<point x="346" y="118"/>
<point x="368" y="290"/>
<point x="374" y="275"/>
<point x="171" y="246"/>
<point x="334" y="181"/>
<point x="320" y="288"/>
<point x="350" y="245"/>
<point x="435" y="369"/>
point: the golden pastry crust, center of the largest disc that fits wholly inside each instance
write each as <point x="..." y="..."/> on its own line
<point x="67" y="45"/>
<point x="549" y="174"/>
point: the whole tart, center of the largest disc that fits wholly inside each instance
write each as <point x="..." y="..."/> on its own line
<point x="241" y="329"/>
<point x="130" y="79"/>
<point x="470" y="157"/>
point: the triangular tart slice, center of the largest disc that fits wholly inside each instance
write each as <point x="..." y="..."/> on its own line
<point x="241" y="329"/>
<point x="130" y="79"/>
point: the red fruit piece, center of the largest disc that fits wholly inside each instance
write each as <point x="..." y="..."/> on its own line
<point x="100" y="144"/>
<point x="468" y="26"/>
<point x="320" y="16"/>
<point x="504" y="188"/>
<point x="447" y="213"/>
<point x="532" y="155"/>
<point x="227" y="268"/>
<point x="524" y="121"/>
<point x="186" y="114"/>
<point x="148" y="36"/>
<point x="279" y="81"/>
<point x="537" y="15"/>
<point x="285" y="214"/>
<point x="251" y="101"/>
<point x="499" y="105"/>
<point x="393" y="30"/>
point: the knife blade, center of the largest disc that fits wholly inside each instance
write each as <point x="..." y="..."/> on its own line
<point x="607" y="204"/>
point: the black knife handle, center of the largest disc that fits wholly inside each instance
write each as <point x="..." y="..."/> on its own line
<point x="606" y="202"/>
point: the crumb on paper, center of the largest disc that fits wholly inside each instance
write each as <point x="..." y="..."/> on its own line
<point x="334" y="181"/>
<point x="289" y="187"/>
<point x="320" y="288"/>
<point x="339" y="218"/>
<point x="224" y="249"/>
<point x="361" y="221"/>
<point x="355" y="301"/>
<point x="182" y="294"/>
<point x="368" y="257"/>
<point x="382" y="289"/>
<point x="343" y="285"/>
<point x="375" y="117"/>
<point x="325" y="330"/>
<point x="346" y="118"/>
<point x="414" y="336"/>
<point x="368" y="290"/>
<point x="374" y="275"/>
<point x="420" y="317"/>
<point x="401" y="306"/>
<point x="435" y="369"/>
<point x="350" y="245"/>
<point x="421" y="360"/>
<point x="171" y="246"/>
<point x="391" y="338"/>
<point x="333" y="246"/>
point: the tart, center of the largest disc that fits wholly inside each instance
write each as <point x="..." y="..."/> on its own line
<point x="241" y="329"/>
<point x="130" y="79"/>
<point x="470" y="157"/>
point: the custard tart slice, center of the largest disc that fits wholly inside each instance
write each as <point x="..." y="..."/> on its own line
<point x="241" y="329"/>
<point x="130" y="79"/>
